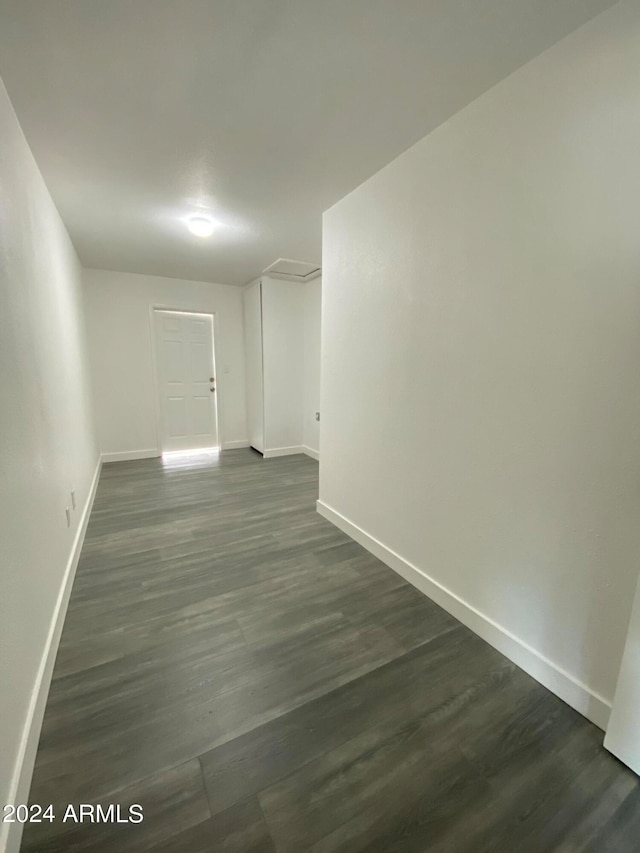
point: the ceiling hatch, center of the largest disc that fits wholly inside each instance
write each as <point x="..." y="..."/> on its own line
<point x="292" y="270"/>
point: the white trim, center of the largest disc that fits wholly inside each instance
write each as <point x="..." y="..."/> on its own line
<point x="127" y="455"/>
<point x="314" y="454"/>
<point x="233" y="445"/>
<point x="156" y="381"/>
<point x="282" y="451"/>
<point x="11" y="833"/>
<point x="581" y="697"/>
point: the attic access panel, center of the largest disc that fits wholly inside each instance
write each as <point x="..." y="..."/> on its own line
<point x="293" y="270"/>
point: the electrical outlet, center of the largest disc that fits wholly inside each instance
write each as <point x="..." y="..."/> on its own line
<point x="68" y="514"/>
<point x="73" y="498"/>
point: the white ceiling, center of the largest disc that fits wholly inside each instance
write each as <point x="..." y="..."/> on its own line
<point x="262" y="112"/>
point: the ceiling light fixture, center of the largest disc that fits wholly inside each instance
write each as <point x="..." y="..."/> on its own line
<point x="200" y="225"/>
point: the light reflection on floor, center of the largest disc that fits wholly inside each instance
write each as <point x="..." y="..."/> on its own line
<point x="199" y="458"/>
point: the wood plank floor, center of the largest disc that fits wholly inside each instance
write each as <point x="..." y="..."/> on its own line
<point x="259" y="682"/>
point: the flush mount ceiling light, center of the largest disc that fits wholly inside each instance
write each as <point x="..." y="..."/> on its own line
<point x="200" y="225"/>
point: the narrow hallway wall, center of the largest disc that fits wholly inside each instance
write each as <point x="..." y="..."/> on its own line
<point x="47" y="448"/>
<point x="481" y="307"/>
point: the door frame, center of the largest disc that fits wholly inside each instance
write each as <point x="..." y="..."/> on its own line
<point x="154" y="364"/>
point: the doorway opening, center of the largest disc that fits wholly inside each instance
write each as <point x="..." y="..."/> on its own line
<point x="186" y="381"/>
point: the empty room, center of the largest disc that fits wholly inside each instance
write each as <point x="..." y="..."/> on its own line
<point x="319" y="436"/>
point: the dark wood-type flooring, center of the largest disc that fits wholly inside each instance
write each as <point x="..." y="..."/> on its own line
<point x="259" y="682"/>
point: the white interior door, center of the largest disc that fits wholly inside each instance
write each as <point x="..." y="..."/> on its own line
<point x="186" y="380"/>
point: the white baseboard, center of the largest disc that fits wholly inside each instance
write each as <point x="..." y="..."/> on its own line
<point x="234" y="445"/>
<point x="282" y="451"/>
<point x="572" y="691"/>
<point x="314" y="454"/>
<point x="127" y="455"/>
<point x="11" y="833"/>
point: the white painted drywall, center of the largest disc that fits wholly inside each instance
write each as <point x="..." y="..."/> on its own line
<point x="47" y="445"/>
<point x="283" y="363"/>
<point x="118" y="307"/>
<point x="480" y="343"/>
<point x="253" y="364"/>
<point x="311" y="392"/>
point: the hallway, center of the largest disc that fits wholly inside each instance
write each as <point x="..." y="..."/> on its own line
<point x="257" y="681"/>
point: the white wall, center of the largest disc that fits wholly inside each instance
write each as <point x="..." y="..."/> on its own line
<point x="118" y="307"/>
<point x="311" y="381"/>
<point x="47" y="445"/>
<point x="480" y="401"/>
<point x="283" y="363"/>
